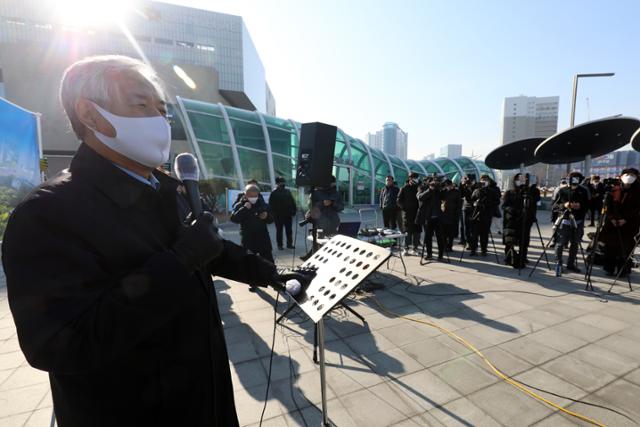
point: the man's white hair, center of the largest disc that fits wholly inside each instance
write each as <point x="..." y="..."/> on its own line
<point x="251" y="187"/>
<point x="94" y="78"/>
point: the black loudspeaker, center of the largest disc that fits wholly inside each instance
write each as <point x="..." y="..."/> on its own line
<point x="315" y="157"/>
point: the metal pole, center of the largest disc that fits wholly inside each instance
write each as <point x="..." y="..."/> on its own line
<point x="323" y="379"/>
<point x="573" y="110"/>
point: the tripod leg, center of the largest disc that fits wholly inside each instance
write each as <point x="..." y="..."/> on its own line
<point x="551" y="239"/>
<point x="287" y="311"/>
<point x="352" y="311"/>
<point x="544" y="250"/>
<point x="493" y="243"/>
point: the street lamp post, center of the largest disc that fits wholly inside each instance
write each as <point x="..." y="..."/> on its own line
<point x="587" y="159"/>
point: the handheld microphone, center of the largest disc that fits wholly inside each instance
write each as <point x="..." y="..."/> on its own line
<point x="186" y="167"/>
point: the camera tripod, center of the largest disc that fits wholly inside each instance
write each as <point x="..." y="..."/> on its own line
<point x="602" y="220"/>
<point x="566" y="214"/>
<point x="627" y="261"/>
<point x="521" y="256"/>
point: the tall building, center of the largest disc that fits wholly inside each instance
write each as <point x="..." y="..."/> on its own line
<point x="391" y="139"/>
<point x="201" y="55"/>
<point x="451" y="151"/>
<point x="529" y="117"/>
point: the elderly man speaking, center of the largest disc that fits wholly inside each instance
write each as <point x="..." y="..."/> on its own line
<point x="111" y="293"/>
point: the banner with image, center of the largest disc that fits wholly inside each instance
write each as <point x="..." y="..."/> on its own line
<point x="19" y="157"/>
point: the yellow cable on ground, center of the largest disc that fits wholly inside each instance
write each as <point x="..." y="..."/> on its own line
<point x="493" y="368"/>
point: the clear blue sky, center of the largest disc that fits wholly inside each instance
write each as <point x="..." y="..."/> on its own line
<point x="441" y="69"/>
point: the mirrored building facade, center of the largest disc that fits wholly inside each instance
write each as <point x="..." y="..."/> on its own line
<point x="235" y="145"/>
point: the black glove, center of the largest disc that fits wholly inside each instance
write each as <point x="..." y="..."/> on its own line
<point x="199" y="243"/>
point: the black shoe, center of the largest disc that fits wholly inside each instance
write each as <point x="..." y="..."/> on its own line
<point x="483" y="253"/>
<point x="473" y="253"/>
<point x="290" y="247"/>
<point x="573" y="268"/>
<point x="252" y="289"/>
<point x="280" y="248"/>
<point x="428" y="256"/>
<point x="306" y="256"/>
<point x="440" y="257"/>
<point x="609" y="273"/>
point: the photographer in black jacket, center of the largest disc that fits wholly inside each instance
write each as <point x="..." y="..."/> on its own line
<point x="451" y="208"/>
<point x="283" y="209"/>
<point x="467" y="186"/>
<point x="389" y="203"/>
<point x="408" y="202"/>
<point x="571" y="204"/>
<point x="485" y="200"/>
<point x="519" y="214"/>
<point x="429" y="214"/>
<point x="252" y="213"/>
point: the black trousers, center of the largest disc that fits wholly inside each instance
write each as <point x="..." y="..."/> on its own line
<point x="616" y="252"/>
<point x="280" y="222"/>
<point x="480" y="230"/>
<point x="515" y="257"/>
<point x="467" y="226"/>
<point x="390" y="218"/>
<point x="572" y="236"/>
<point x="431" y="227"/>
<point x="595" y="208"/>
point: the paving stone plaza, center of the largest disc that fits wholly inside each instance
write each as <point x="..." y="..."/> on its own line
<point x="543" y="331"/>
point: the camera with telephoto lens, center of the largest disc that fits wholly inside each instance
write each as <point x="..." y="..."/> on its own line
<point x="612" y="182"/>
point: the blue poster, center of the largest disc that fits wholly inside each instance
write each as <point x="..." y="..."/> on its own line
<point x="19" y="157"/>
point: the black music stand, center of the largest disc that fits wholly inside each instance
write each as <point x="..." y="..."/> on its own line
<point x="341" y="265"/>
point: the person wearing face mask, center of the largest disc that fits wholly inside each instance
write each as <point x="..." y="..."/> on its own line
<point x="283" y="208"/>
<point x="519" y="214"/>
<point x="623" y="223"/>
<point x="451" y="208"/>
<point x="253" y="215"/>
<point x="408" y="203"/>
<point x="109" y="287"/>
<point x="597" y="195"/>
<point x="485" y="200"/>
<point x="571" y="203"/>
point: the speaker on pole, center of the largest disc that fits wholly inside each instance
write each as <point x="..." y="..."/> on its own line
<point x="315" y="157"/>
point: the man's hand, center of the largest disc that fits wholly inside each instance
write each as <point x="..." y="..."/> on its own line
<point x="248" y="205"/>
<point x="567" y="205"/>
<point x="576" y="205"/>
<point x="262" y="215"/>
<point x="327" y="202"/>
<point x="198" y="244"/>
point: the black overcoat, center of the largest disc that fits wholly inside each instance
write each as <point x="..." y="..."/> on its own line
<point x="128" y="336"/>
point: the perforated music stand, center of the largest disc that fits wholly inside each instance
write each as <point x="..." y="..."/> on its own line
<point x="342" y="264"/>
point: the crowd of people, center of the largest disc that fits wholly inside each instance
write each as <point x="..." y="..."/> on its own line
<point x="436" y="207"/>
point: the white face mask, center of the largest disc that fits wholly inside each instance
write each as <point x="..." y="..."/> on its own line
<point x="252" y="200"/>
<point x="628" y="179"/>
<point x="145" y="140"/>
<point x="485" y="183"/>
<point x="520" y="182"/>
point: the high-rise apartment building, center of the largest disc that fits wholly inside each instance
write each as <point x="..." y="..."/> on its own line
<point x="451" y="151"/>
<point x="391" y="139"/>
<point x="529" y="117"/>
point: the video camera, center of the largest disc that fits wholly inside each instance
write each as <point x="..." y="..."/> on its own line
<point x="433" y="180"/>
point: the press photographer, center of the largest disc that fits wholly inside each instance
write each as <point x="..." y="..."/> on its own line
<point x="468" y="185"/>
<point x="485" y="201"/>
<point x="519" y="205"/>
<point x="408" y="203"/>
<point x="570" y="204"/>
<point x="110" y="290"/>
<point x="253" y="215"/>
<point x="429" y="214"/>
<point x="623" y="222"/>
